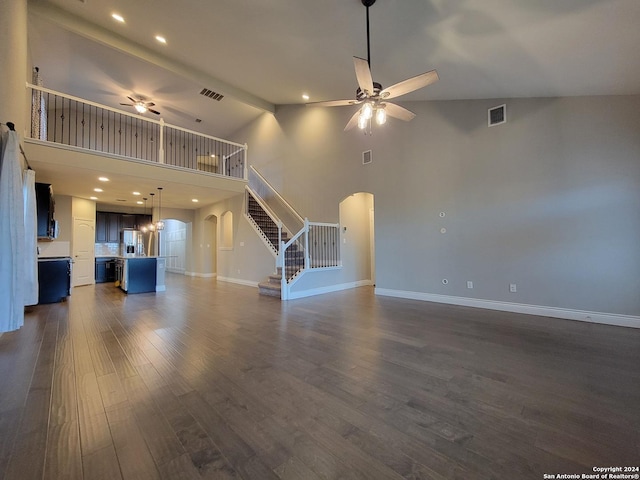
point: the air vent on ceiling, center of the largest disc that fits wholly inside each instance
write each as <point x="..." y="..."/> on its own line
<point x="498" y="115"/>
<point x="366" y="157"/>
<point x="211" y="94"/>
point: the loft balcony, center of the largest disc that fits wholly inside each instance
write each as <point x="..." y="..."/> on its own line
<point x="69" y="135"/>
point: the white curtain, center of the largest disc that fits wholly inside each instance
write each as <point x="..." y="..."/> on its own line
<point x="11" y="234"/>
<point x="30" y="238"/>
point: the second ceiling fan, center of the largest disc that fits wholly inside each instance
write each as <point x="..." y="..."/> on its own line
<point x="371" y="94"/>
<point x="141" y="106"/>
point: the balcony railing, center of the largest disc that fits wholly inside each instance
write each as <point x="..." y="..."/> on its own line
<point x="79" y="123"/>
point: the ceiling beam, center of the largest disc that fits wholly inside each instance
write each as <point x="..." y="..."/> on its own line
<point x="101" y="35"/>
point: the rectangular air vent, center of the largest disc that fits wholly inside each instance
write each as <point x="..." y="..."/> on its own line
<point x="366" y="157"/>
<point x="211" y="94"/>
<point x="498" y="115"/>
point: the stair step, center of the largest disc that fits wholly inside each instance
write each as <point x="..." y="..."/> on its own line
<point x="269" y="289"/>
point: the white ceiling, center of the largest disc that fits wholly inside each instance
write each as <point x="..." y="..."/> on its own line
<point x="271" y="51"/>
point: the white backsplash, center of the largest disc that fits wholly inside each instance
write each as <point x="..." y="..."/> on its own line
<point x="107" y="249"/>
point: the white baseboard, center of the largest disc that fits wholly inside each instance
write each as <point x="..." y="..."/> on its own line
<point x="161" y="288"/>
<point x="200" y="275"/>
<point x="328" y="289"/>
<point x="238" y="281"/>
<point x="540" y="310"/>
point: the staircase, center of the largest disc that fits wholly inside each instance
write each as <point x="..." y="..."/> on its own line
<point x="298" y="245"/>
<point x="294" y="256"/>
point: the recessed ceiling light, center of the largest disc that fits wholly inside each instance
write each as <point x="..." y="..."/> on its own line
<point x="161" y="39"/>
<point x="117" y="17"/>
<point x="98" y="190"/>
<point x="136" y="193"/>
<point x="103" y="179"/>
<point x="305" y="96"/>
<point x="93" y="198"/>
<point x="213" y="156"/>
<point x="194" y="200"/>
<point x="139" y="202"/>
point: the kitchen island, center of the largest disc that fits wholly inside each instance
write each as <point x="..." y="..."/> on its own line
<point x="140" y="274"/>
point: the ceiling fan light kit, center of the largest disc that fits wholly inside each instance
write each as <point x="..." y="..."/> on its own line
<point x="141" y="106"/>
<point x="373" y="97"/>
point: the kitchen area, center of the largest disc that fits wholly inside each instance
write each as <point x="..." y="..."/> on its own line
<point x="126" y="249"/>
<point x="84" y="242"/>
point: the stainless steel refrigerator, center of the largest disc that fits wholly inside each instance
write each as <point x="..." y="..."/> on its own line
<point x="135" y="243"/>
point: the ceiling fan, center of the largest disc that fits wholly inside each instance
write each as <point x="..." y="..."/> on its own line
<point x="371" y="94"/>
<point x="141" y="106"/>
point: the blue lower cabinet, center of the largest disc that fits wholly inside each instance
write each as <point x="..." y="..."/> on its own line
<point x="54" y="279"/>
<point x="142" y="275"/>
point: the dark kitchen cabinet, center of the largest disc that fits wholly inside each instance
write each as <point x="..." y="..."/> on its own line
<point x="105" y="270"/>
<point x="128" y="221"/>
<point x="45" y="208"/>
<point x="108" y="227"/>
<point x="54" y="279"/>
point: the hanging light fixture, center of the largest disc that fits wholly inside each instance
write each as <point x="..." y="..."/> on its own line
<point x="160" y="222"/>
<point x="381" y="115"/>
<point x="140" y="107"/>
<point x="145" y="228"/>
<point x="152" y="226"/>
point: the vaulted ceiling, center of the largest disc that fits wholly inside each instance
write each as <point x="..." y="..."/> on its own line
<point x="260" y="54"/>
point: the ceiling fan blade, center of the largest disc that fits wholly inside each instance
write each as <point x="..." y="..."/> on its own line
<point x="154" y="111"/>
<point x="410" y="85"/>
<point x="332" y="103"/>
<point x="363" y="74"/>
<point x="133" y="100"/>
<point x="127" y="104"/>
<point x="396" y="111"/>
<point x="150" y="104"/>
<point x="353" y="121"/>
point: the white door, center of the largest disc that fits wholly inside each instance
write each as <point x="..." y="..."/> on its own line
<point x="84" y="237"/>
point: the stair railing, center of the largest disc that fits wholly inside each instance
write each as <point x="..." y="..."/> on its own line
<point x="320" y="245"/>
<point x="273" y="219"/>
<point x="290" y="218"/>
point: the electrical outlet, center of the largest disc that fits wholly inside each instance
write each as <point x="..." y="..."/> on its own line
<point x="512" y="288"/>
<point x="469" y="284"/>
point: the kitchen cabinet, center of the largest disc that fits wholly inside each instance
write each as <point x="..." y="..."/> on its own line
<point x="105" y="269"/>
<point x="54" y="279"/>
<point x="45" y="208"/>
<point x="128" y="221"/>
<point x="137" y="275"/>
<point x="108" y="227"/>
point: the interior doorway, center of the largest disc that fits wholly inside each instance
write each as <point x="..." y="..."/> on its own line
<point x="357" y="230"/>
<point x="174" y="245"/>
<point x="84" y="237"/>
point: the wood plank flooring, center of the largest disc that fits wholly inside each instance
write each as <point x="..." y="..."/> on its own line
<point x="212" y="381"/>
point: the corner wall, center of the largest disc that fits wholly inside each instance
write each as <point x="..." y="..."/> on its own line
<point x="548" y="201"/>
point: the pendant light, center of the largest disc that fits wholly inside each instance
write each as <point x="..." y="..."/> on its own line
<point x="152" y="226"/>
<point x="160" y="222"/>
<point x="145" y="228"/>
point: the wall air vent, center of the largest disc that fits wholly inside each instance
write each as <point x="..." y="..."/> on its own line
<point x="211" y="94"/>
<point x="498" y="115"/>
<point x="366" y="157"/>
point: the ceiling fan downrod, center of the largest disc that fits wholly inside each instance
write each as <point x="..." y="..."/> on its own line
<point x="368" y="3"/>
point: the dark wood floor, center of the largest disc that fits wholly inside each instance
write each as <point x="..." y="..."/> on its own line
<point x="210" y="380"/>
